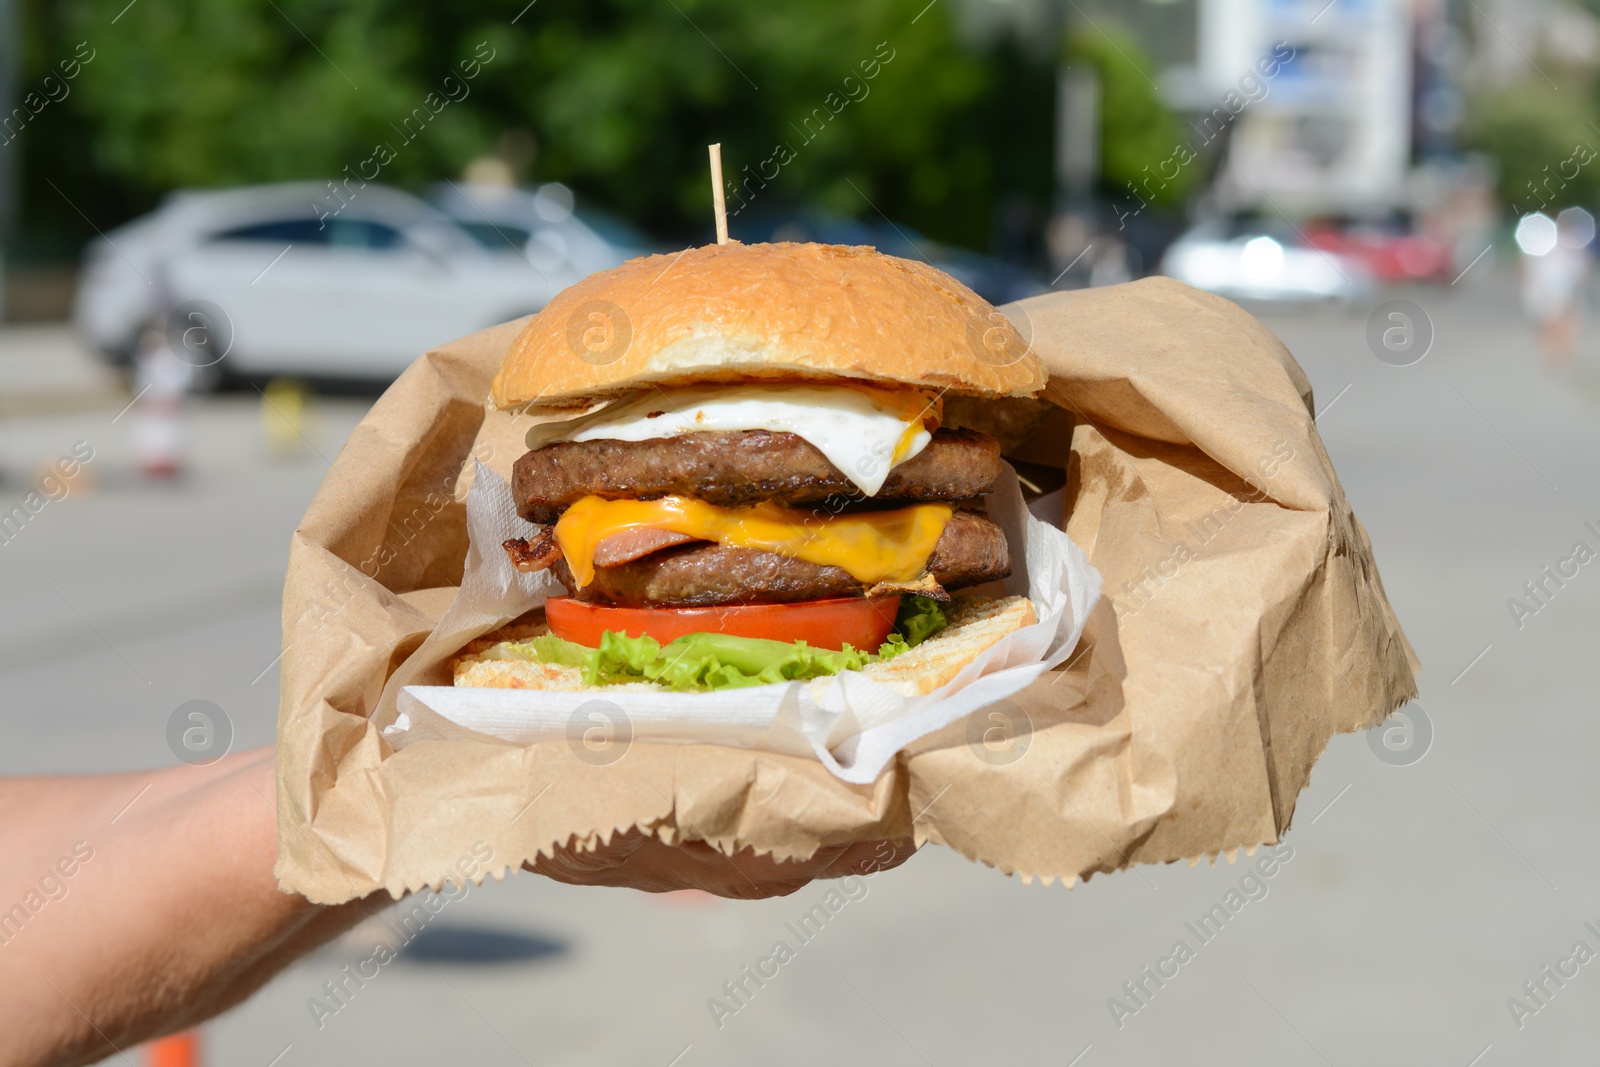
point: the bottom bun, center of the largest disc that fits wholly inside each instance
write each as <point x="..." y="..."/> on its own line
<point x="975" y="623"/>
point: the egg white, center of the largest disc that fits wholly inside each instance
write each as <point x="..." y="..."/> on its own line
<point x="857" y="433"/>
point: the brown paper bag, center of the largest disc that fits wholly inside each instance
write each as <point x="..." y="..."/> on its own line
<point x="1243" y="625"/>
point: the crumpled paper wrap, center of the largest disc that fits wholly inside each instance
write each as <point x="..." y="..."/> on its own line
<point x="1243" y="624"/>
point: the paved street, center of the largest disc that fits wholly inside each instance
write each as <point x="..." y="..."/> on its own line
<point x="1419" y="895"/>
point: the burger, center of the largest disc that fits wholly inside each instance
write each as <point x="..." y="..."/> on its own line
<point x="741" y="473"/>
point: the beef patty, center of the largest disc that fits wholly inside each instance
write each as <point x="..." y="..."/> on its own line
<point x="971" y="550"/>
<point x="737" y="467"/>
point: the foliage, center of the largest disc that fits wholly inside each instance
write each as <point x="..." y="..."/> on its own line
<point x="620" y="96"/>
<point x="1544" y="143"/>
<point x="1137" y="130"/>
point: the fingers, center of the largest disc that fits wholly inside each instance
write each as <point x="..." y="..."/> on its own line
<point x="638" y="860"/>
<point x="868" y="857"/>
<point x="644" y="862"/>
<point x="598" y="866"/>
<point x="747" y="876"/>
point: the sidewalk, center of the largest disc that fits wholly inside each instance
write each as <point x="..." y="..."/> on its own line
<point x="45" y="369"/>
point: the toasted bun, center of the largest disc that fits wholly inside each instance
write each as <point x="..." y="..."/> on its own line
<point x="976" y="622"/>
<point x="734" y="312"/>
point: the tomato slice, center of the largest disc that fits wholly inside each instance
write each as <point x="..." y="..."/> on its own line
<point x="859" y="622"/>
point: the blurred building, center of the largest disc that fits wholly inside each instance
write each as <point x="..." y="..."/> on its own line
<point x="1346" y="111"/>
<point x="1359" y="90"/>
<point x="1326" y="123"/>
<point x="1509" y="33"/>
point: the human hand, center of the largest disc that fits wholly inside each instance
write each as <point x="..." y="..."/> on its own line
<point x="173" y="916"/>
<point x="639" y="860"/>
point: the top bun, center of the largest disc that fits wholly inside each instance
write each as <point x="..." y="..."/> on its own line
<point x="735" y="312"/>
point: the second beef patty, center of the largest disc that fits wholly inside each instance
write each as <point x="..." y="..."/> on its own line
<point x="971" y="550"/>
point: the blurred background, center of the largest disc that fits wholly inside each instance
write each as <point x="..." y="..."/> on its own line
<point x="224" y="227"/>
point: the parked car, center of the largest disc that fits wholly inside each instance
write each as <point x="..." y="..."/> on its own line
<point x="291" y="279"/>
<point x="993" y="279"/>
<point x="1251" y="258"/>
<point x="544" y="225"/>
<point x="1387" y="244"/>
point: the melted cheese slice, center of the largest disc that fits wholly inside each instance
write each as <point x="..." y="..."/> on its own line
<point x="863" y="430"/>
<point x="878" y="546"/>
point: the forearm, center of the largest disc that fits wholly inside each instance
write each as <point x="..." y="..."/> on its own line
<point x="170" y="913"/>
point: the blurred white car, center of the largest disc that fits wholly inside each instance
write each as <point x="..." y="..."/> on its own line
<point x="1247" y="259"/>
<point x="545" y="226"/>
<point x="290" y="279"/>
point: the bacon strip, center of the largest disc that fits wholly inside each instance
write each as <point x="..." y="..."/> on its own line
<point x="629" y="545"/>
<point x="539" y="553"/>
<point x="535" y="555"/>
<point x="927" y="586"/>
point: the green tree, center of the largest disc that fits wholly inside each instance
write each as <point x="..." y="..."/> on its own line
<point x="621" y="97"/>
<point x="1544" y="144"/>
<point x="1137" y="130"/>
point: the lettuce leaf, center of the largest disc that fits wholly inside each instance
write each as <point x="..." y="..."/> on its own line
<point x="552" y="649"/>
<point x="709" y="661"/>
<point x="547" y="648"/>
<point x="713" y="661"/>
<point x="920" y="618"/>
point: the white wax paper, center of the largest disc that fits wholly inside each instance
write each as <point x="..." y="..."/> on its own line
<point x="853" y="725"/>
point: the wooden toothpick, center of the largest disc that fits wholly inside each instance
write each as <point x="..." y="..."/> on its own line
<point x="717" y="199"/>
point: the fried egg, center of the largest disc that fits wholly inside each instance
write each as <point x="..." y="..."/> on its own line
<point x="864" y="431"/>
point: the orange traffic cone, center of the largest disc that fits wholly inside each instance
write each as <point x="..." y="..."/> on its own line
<point x="162" y="379"/>
<point x="177" y="1050"/>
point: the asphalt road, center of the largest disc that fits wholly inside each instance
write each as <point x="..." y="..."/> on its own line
<point x="1423" y="889"/>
